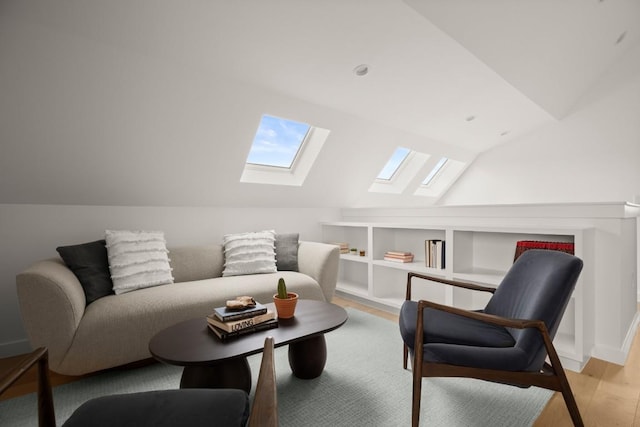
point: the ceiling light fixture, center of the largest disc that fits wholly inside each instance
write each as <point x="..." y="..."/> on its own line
<point x="361" y="70"/>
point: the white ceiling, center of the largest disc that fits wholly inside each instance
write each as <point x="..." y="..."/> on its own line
<point x="513" y="65"/>
<point x="167" y="94"/>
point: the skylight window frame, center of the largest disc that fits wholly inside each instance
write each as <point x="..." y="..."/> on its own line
<point x="284" y="169"/>
<point x="443" y="179"/>
<point x="435" y="172"/>
<point x="399" y="169"/>
<point x="405" y="173"/>
<point x="295" y="175"/>
<point x="297" y="155"/>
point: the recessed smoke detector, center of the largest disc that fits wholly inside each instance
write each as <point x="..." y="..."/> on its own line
<point x="361" y="70"/>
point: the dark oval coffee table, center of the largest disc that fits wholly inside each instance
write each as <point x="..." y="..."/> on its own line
<point x="211" y="363"/>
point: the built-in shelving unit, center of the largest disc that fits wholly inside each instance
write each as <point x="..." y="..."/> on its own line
<point x="474" y="254"/>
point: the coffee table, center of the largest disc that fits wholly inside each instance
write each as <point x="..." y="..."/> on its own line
<point x="211" y="363"/>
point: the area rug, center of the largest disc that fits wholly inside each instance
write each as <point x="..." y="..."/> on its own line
<point x="363" y="384"/>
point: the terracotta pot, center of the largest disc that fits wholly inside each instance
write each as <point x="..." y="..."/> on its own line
<point x="286" y="307"/>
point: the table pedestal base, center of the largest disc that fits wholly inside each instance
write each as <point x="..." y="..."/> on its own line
<point x="308" y="357"/>
<point x="232" y="373"/>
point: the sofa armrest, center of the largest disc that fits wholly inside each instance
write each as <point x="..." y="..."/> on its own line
<point x="320" y="261"/>
<point x="52" y="303"/>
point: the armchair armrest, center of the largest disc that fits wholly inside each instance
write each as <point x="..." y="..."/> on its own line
<point x="483" y="317"/>
<point x="52" y="304"/>
<point x="264" y="410"/>
<point x="320" y="261"/>
<point x="456" y="283"/>
<point x="46" y="414"/>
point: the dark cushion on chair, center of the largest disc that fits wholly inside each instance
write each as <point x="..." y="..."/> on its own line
<point x="500" y="358"/>
<point x="461" y="341"/>
<point x="448" y="328"/>
<point x="186" y="407"/>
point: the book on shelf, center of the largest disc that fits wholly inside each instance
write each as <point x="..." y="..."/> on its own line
<point x="225" y="314"/>
<point x="237" y="325"/>
<point x="525" y="245"/>
<point x="344" y="247"/>
<point x="398" y="253"/>
<point x="398" y="256"/>
<point x="224" y="335"/>
<point x="398" y="259"/>
<point x="434" y="253"/>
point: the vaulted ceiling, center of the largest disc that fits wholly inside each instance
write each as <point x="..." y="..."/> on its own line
<point x="466" y="74"/>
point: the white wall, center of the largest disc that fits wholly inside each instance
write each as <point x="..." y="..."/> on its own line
<point x="32" y="232"/>
<point x="592" y="155"/>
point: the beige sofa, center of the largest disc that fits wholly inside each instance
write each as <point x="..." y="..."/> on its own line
<point x="116" y="329"/>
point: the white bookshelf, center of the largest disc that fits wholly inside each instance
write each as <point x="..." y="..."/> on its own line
<point x="474" y="254"/>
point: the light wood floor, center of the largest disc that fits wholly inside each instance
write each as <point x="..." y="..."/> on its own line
<point x="607" y="394"/>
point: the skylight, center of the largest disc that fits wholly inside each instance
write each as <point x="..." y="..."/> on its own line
<point x="394" y="163"/>
<point x="277" y="142"/>
<point x="283" y="151"/>
<point x="403" y="172"/>
<point x="434" y="171"/>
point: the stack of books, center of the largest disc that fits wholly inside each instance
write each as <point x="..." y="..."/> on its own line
<point x="226" y="323"/>
<point x="434" y="251"/>
<point x="344" y="247"/>
<point x="398" y="256"/>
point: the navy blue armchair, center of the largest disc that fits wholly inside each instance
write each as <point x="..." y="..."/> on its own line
<point x="168" y="408"/>
<point x="508" y="341"/>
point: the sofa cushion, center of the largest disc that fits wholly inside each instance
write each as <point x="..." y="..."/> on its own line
<point x="287" y="251"/>
<point x="249" y="253"/>
<point x="90" y="264"/>
<point x="196" y="262"/>
<point x="137" y="259"/>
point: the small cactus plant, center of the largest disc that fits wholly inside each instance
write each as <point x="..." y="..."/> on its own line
<point x="284" y="301"/>
<point x="282" y="289"/>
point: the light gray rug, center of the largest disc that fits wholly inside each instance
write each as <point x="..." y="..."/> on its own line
<point x="363" y="385"/>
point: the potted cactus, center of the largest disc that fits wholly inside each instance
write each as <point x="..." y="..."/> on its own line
<point x="284" y="301"/>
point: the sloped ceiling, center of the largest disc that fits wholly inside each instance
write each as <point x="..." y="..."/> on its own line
<point x="551" y="51"/>
<point x="149" y="102"/>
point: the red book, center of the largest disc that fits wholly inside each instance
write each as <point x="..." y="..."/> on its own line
<point x="525" y="245"/>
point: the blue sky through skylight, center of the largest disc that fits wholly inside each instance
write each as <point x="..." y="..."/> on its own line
<point x="434" y="171"/>
<point x="393" y="163"/>
<point x="277" y="142"/>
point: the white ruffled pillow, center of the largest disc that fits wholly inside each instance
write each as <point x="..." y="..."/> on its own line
<point x="137" y="259"/>
<point x="249" y="253"/>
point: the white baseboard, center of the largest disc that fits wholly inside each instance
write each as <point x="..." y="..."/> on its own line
<point x="13" y="348"/>
<point x="570" y="364"/>
<point x="618" y="355"/>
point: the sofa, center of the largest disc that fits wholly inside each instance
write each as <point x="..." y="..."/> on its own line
<point x="115" y="330"/>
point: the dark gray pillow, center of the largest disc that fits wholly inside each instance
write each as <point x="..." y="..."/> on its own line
<point x="287" y="252"/>
<point x="90" y="264"/>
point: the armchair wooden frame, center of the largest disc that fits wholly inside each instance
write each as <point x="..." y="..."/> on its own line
<point x="40" y="356"/>
<point x="264" y="408"/>
<point x="551" y="376"/>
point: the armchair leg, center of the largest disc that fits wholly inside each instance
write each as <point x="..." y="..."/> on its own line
<point x="46" y="414"/>
<point x="405" y="357"/>
<point x="417" y="392"/>
<point x="569" y="399"/>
